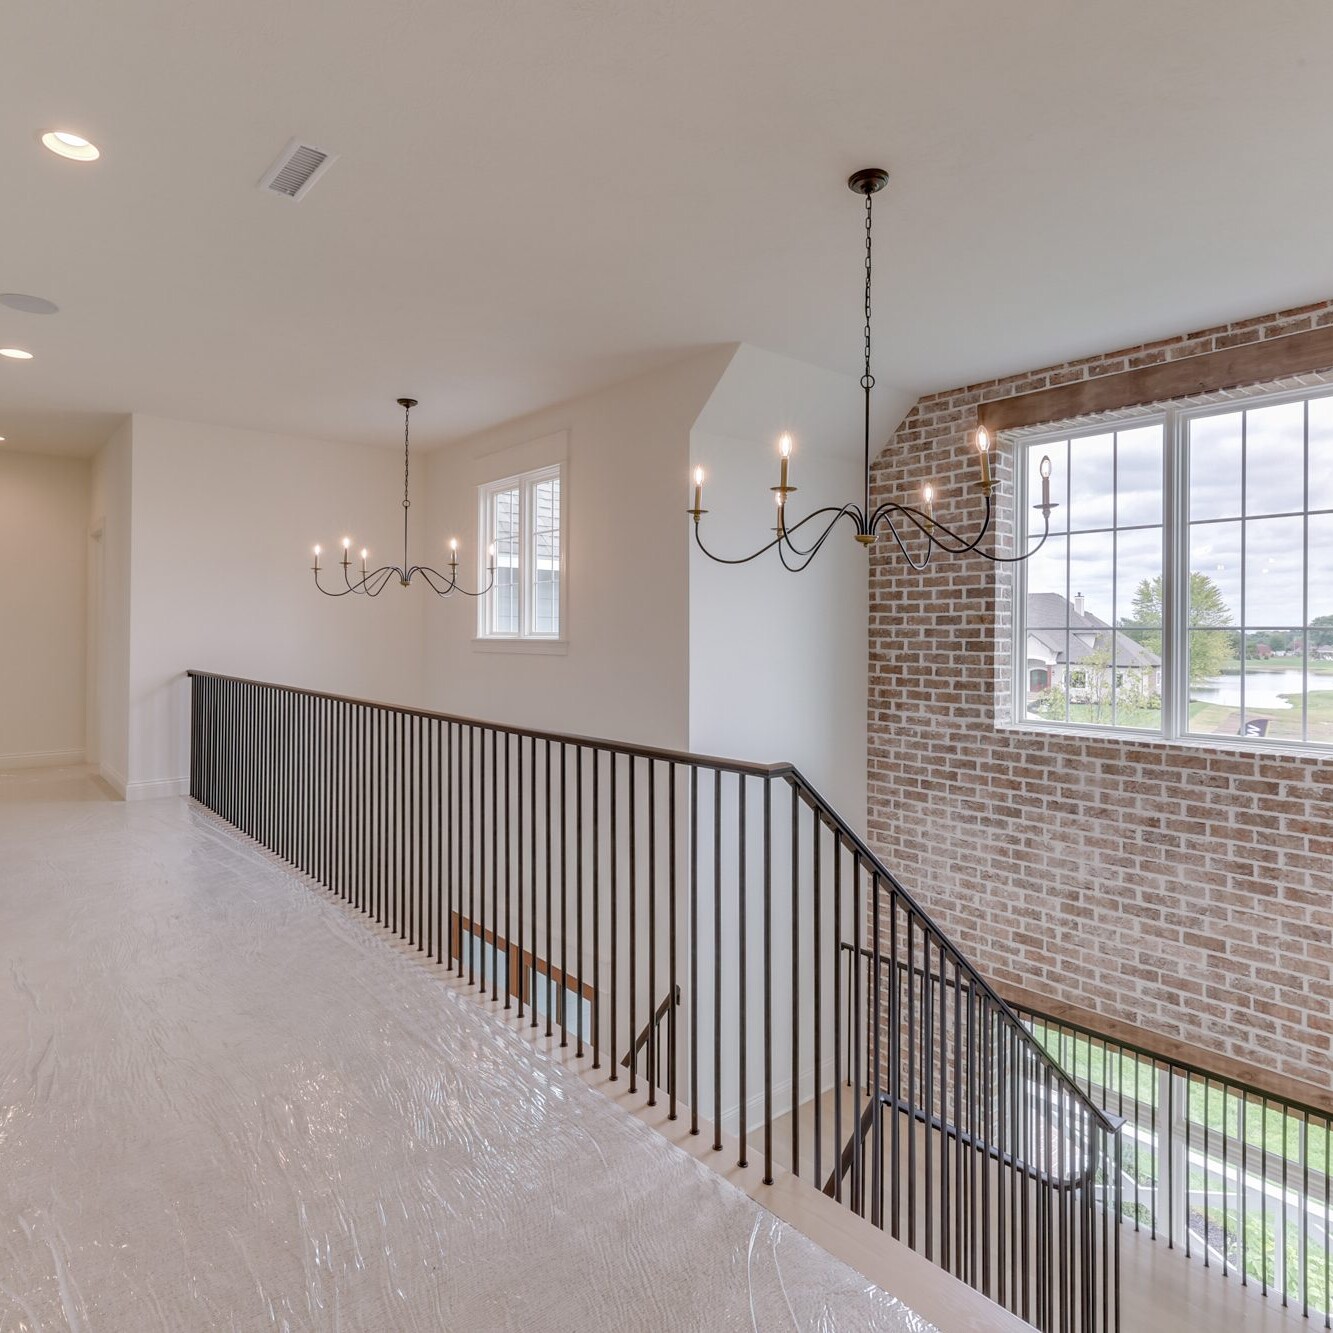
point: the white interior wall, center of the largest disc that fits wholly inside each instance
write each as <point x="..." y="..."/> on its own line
<point x="778" y="673"/>
<point x="623" y="670"/>
<point x="223" y="525"/>
<point x="43" y="551"/>
<point x="778" y="661"/>
<point x="109" y="597"/>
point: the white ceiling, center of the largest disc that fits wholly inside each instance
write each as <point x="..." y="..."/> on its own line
<point x="534" y="199"/>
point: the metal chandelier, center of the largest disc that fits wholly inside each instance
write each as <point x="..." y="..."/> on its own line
<point x="868" y="524"/>
<point x="370" y="583"/>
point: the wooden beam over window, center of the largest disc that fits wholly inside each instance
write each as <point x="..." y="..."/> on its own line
<point x="1210" y="372"/>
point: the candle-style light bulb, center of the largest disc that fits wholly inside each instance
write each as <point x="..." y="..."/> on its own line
<point x="317" y="549"/>
<point x="928" y="499"/>
<point x="784" y="449"/>
<point x="1045" y="471"/>
<point x="490" y="550"/>
<point x="347" y="549"/>
<point x="698" y="491"/>
<point x="983" y="452"/>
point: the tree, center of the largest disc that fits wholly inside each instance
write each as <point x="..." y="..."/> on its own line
<point x="1322" y="631"/>
<point x="1209" y="652"/>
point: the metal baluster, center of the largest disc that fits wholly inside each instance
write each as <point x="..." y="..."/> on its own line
<point x="509" y="844"/>
<point x="520" y="972"/>
<point x="740" y="971"/>
<point x="652" y="1052"/>
<point x="694" y="949"/>
<point x="858" y="1044"/>
<point x="796" y="990"/>
<point x="548" y="962"/>
<point x="532" y="970"/>
<point x="578" y="899"/>
<point x="717" y="960"/>
<point x="633" y="933"/>
<point x="564" y="898"/>
<point x="671" y="941"/>
<point x="614" y="1037"/>
<point x="597" y="914"/>
<point x="838" y="1139"/>
<point x="767" y="793"/>
<point x="817" y="1067"/>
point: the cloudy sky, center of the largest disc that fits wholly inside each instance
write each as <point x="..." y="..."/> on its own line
<point x="1116" y="479"/>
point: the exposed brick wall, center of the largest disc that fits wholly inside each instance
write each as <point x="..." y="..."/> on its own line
<point x="1188" y="891"/>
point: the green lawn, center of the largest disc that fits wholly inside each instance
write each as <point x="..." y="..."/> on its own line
<point x="1283" y="724"/>
<point x="1280" y="1134"/>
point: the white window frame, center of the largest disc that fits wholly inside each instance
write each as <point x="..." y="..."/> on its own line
<point x="1174" y="419"/>
<point x="525" y="483"/>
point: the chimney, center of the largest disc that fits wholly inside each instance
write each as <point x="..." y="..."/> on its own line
<point x="1078" y="603"/>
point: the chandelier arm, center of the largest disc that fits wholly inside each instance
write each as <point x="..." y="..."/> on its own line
<point x="930" y="526"/>
<point x="848" y="510"/>
<point x="430" y="575"/>
<point x="897" y="536"/>
<point x="745" y="560"/>
<point x="351" y="588"/>
<point x="1018" y="559"/>
<point x="385" y="574"/>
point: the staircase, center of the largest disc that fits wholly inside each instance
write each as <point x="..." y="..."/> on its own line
<point x="721" y="921"/>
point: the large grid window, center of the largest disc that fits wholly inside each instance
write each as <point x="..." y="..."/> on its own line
<point x="521" y="524"/>
<point x="1187" y="585"/>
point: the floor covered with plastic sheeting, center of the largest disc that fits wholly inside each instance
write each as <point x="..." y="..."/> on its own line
<point x="227" y="1104"/>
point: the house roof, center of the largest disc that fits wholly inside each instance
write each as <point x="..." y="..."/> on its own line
<point x="1090" y="636"/>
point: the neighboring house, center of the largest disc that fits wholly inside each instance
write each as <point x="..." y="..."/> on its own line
<point x="1324" y="653"/>
<point x="1080" y="660"/>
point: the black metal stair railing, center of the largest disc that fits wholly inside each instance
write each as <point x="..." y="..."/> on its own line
<point x="576" y="881"/>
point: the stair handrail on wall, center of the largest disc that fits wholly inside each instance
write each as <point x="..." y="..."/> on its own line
<point x="574" y="881"/>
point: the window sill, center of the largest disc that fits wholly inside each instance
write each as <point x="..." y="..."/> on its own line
<point x="1229" y="744"/>
<point x="541" y="647"/>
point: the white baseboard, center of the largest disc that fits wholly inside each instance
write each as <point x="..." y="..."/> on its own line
<point x="156" y="788"/>
<point x="41" y="758"/>
<point x="754" y="1103"/>
<point x="114" y="780"/>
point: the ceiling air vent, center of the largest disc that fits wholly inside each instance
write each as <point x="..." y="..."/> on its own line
<point x="298" y="167"/>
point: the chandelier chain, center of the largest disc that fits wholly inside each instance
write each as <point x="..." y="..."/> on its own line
<point x="407" y="412"/>
<point x="868" y="382"/>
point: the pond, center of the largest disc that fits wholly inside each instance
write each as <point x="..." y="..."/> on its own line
<point x="1263" y="689"/>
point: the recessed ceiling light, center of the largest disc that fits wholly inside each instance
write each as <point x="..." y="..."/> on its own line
<point x="71" y="145"/>
<point x="29" y="305"/>
<point x="15" y="353"/>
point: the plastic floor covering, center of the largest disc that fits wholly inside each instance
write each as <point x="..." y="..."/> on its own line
<point x="224" y="1104"/>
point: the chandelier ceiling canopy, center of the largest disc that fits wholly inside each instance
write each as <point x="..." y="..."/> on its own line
<point x="910" y="526"/>
<point x="372" y="582"/>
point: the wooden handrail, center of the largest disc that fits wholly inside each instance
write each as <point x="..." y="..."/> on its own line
<point x="1172" y="1051"/>
<point x="683" y="757"/>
